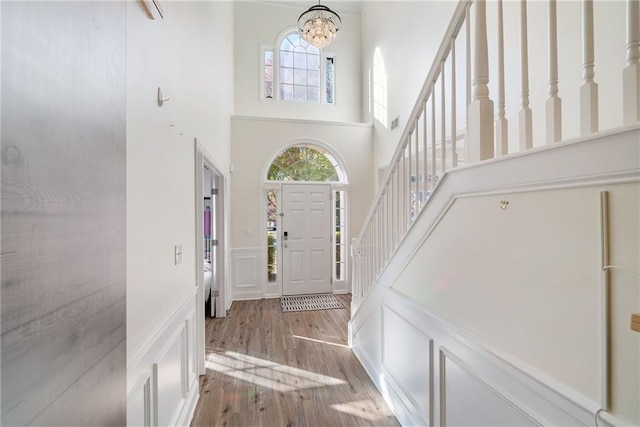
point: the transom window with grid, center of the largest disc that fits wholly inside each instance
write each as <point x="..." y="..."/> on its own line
<point x="296" y="71"/>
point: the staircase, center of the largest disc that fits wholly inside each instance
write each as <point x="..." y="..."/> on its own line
<point x="492" y="287"/>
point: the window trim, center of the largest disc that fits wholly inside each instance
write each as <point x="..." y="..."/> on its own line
<point x="380" y="85"/>
<point x="263" y="49"/>
<point x="275" y="48"/>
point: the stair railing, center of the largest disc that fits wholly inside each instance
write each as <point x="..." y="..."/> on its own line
<point x="426" y="149"/>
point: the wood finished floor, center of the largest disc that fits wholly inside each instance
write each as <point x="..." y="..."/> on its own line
<point x="267" y="368"/>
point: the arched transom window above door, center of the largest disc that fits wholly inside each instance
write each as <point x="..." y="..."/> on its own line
<point x="305" y="162"/>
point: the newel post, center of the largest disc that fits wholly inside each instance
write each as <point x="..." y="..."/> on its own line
<point x="481" y="108"/>
<point x="631" y="74"/>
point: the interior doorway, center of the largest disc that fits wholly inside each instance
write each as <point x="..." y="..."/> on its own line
<point x="210" y="202"/>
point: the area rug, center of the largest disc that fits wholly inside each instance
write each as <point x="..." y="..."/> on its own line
<point x="310" y="302"/>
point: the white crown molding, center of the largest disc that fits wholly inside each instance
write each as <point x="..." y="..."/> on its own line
<point x="342" y="7"/>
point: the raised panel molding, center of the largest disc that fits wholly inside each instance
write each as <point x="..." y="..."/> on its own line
<point x="169" y="381"/>
<point x="512" y="391"/>
<point x="475" y="402"/>
<point x="139" y="404"/>
<point x="247" y="282"/>
<point x="403" y="367"/>
<point x="166" y="390"/>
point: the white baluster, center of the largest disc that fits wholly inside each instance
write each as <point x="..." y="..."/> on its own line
<point x="375" y="244"/>
<point x="502" y="126"/>
<point x="589" y="88"/>
<point x="443" y="119"/>
<point x="554" y="103"/>
<point x="424" y="153"/>
<point x="526" y="133"/>
<point x="390" y="213"/>
<point x="417" y="186"/>
<point x="410" y="182"/>
<point x="434" y="170"/>
<point x="398" y="204"/>
<point x="454" y="131"/>
<point x="393" y="210"/>
<point x="467" y="82"/>
<point x="631" y="74"/>
<point x="404" y="192"/>
<point x="481" y="109"/>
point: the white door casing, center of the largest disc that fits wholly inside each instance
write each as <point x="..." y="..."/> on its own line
<point x="306" y="239"/>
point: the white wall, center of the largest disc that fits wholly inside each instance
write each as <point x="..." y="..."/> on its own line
<point x="408" y="34"/>
<point x="257" y="141"/>
<point x="189" y="54"/>
<point x="261" y="22"/>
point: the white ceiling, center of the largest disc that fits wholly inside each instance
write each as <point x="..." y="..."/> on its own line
<point x="341" y="7"/>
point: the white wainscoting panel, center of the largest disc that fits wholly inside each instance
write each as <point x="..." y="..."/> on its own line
<point x="139" y="404"/>
<point x="409" y="352"/>
<point x="168" y="374"/>
<point x="163" y="373"/>
<point x="247" y="282"/>
<point x="466" y="400"/>
<point x="409" y="372"/>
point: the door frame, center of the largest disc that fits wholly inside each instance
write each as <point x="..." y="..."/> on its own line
<point x="202" y="158"/>
<point x="275" y="290"/>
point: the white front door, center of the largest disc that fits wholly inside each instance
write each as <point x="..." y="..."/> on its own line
<point x="306" y="239"/>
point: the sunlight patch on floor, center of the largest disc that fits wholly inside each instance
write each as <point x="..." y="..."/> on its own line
<point x="320" y="341"/>
<point x="265" y="373"/>
<point x="365" y="409"/>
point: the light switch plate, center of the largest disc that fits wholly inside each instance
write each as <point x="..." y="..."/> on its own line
<point x="178" y="253"/>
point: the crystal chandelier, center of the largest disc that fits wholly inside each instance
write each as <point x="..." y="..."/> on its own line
<point x="319" y="25"/>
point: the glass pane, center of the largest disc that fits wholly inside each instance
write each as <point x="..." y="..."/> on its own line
<point x="300" y="60"/>
<point x="268" y="90"/>
<point x="303" y="163"/>
<point x="300" y="77"/>
<point x="341" y="271"/>
<point x="313" y="94"/>
<point x="286" y="59"/>
<point x="268" y="57"/>
<point x="310" y="49"/>
<point x="272" y="208"/>
<point x="286" y="44"/>
<point x="300" y="93"/>
<point x="330" y="79"/>
<point x="314" y="79"/>
<point x="295" y="39"/>
<point x="272" y="233"/>
<point x="286" y="75"/>
<point x="313" y="61"/>
<point x="268" y="73"/>
<point x="286" y="92"/>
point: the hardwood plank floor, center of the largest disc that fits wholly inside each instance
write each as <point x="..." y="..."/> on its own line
<point x="268" y="368"/>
